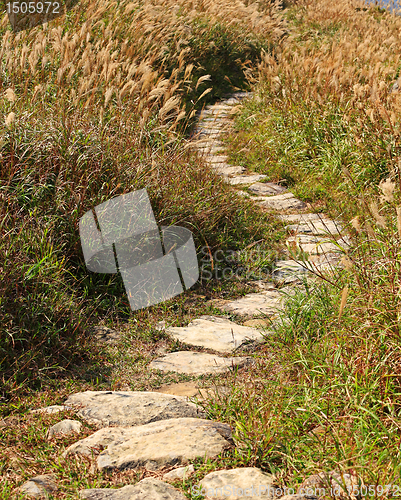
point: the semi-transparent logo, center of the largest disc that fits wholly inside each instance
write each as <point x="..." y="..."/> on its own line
<point x="121" y="235"/>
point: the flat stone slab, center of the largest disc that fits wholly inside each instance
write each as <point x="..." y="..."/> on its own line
<point x="288" y="269"/>
<point x="302" y="217"/>
<point x="126" y="408"/>
<point x="196" y="363"/>
<point x="311" y="244"/>
<point x="236" y="484"/>
<point x="316" y="227"/>
<point x="184" y="389"/>
<point x="215" y="333"/>
<point x="155" y="445"/>
<point x="216" y="159"/>
<point x="266" y="189"/>
<point x="285" y="201"/>
<point x="149" y="488"/>
<point x="255" y="304"/>
<point x="246" y="179"/>
<point x="227" y="170"/>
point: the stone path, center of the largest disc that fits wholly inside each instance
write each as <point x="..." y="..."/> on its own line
<point x="155" y="430"/>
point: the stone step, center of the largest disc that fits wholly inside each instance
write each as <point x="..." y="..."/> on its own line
<point x="197" y="363"/>
<point x="246" y="179"/>
<point x="286" y="201"/>
<point x="312" y="244"/>
<point x="154" y="445"/>
<point x="149" y="488"/>
<point x="215" y="333"/>
<point x="254" y="304"/>
<point x="266" y="189"/>
<point x="227" y="170"/>
<point x="316" y="227"/>
<point x="127" y="408"/>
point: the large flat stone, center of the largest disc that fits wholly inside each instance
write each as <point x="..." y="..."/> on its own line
<point x="316" y="227"/>
<point x="246" y="179"/>
<point x="266" y="189"/>
<point x="311" y="244"/>
<point x="126" y="408"/>
<point x="227" y="170"/>
<point x="196" y="363"/>
<point x="255" y="304"/>
<point x="155" y="445"/>
<point x="236" y="484"/>
<point x="301" y="217"/>
<point x="285" y="201"/>
<point x="215" y="333"/>
<point x="149" y="488"/>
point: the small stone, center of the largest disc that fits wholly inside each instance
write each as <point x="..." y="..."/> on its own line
<point x="266" y="189"/>
<point x="39" y="486"/>
<point x="196" y="363"/>
<point x="180" y="473"/>
<point x="147" y="489"/>
<point x="284" y="201"/>
<point x="339" y="484"/>
<point x="106" y="335"/>
<point x="246" y="179"/>
<point x="235" y="484"/>
<point x="215" y="333"/>
<point x="156" y="445"/>
<point x="255" y="304"/>
<point x="64" y="428"/>
<point x="52" y="409"/>
<point x="126" y="408"/>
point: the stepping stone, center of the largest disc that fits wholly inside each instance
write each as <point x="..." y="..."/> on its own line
<point x="316" y="227"/>
<point x="196" y="363"/>
<point x="255" y="304"/>
<point x="39" y="486"/>
<point x="284" y="201"/>
<point x="215" y="333"/>
<point x="266" y="189"/>
<point x="149" y="488"/>
<point x="287" y="269"/>
<point x="184" y="389"/>
<point x="311" y="244"/>
<point x="64" y="428"/>
<point x="302" y="217"/>
<point x="227" y="170"/>
<point x="237" y="484"/>
<point x="207" y="144"/>
<point x="217" y="159"/>
<point x="246" y="179"/>
<point x="126" y="408"/>
<point x="180" y="473"/>
<point x="155" y="445"/>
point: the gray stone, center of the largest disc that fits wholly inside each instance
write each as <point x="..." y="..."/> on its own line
<point x="215" y="333"/>
<point x="196" y="363"/>
<point x="302" y="217"/>
<point x="126" y="408"/>
<point x="106" y="335"/>
<point x="220" y="159"/>
<point x="311" y="244"/>
<point x="64" y="428"/>
<point x="180" y="473"/>
<point x="339" y="483"/>
<point x="52" y="409"/>
<point x="325" y="226"/>
<point x="155" y="445"/>
<point x="286" y="201"/>
<point x="39" y="486"/>
<point x="255" y="304"/>
<point x="266" y="189"/>
<point x="235" y="484"/>
<point x="149" y="488"/>
<point x="227" y="170"/>
<point x="246" y="179"/>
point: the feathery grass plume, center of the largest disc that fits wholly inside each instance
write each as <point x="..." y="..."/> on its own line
<point x="10" y="94"/>
<point x="398" y="210"/>
<point x="356" y="224"/>
<point x="344" y="295"/>
<point x="381" y="221"/>
<point x="387" y="187"/>
<point x="10" y="118"/>
<point x="347" y="262"/>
